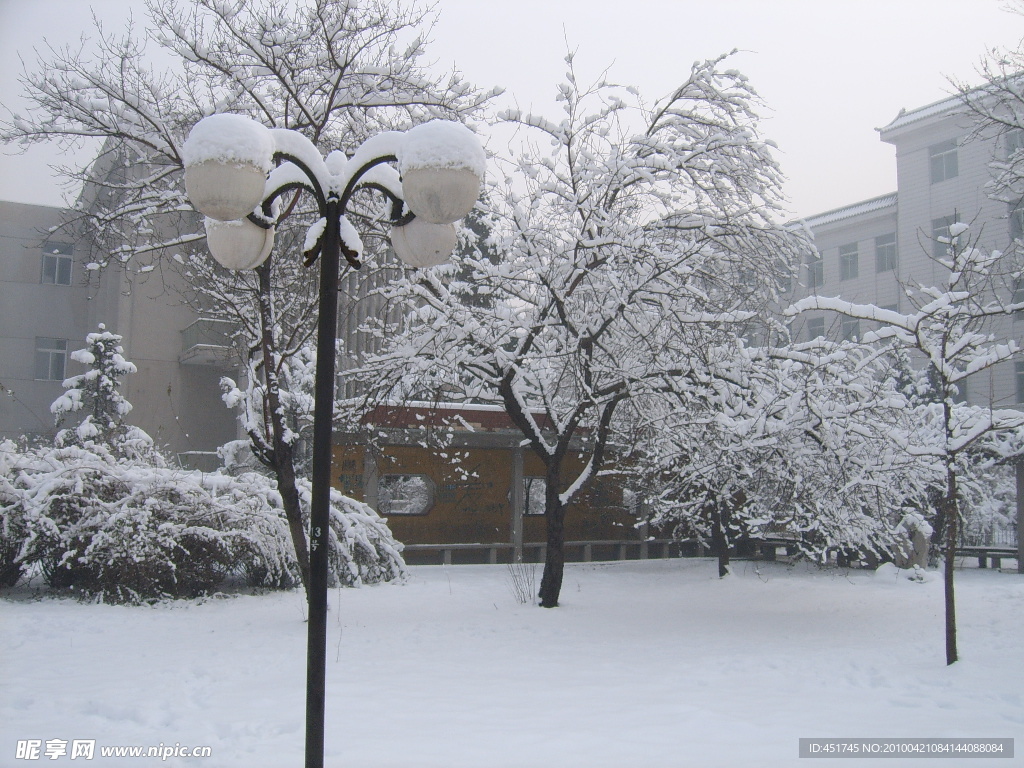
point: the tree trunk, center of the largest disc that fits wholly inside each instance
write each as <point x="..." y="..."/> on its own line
<point x="285" y="471"/>
<point x="937" y="540"/>
<point x="952" y="519"/>
<point x="720" y="540"/>
<point x="283" y="454"/>
<point x="554" y="560"/>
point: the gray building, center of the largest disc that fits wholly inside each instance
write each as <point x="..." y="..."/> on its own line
<point x="51" y="297"/>
<point x="867" y="251"/>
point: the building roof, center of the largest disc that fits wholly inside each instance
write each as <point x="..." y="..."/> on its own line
<point x="946" y="106"/>
<point x="850" y="211"/>
<point x="459" y="416"/>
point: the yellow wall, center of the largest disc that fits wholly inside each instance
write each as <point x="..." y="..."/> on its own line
<point x="473" y="503"/>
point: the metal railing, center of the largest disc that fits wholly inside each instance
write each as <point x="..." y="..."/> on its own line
<point x="576" y="551"/>
<point x="1002" y="538"/>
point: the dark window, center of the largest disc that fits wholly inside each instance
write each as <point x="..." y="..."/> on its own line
<point x="56" y="266"/>
<point x="1017" y="297"/>
<point x="51" y="358"/>
<point x="1014" y="141"/>
<point x="849" y="266"/>
<point x="850" y="328"/>
<point x="885" y="253"/>
<point x="815" y="328"/>
<point x="815" y="271"/>
<point x="1016" y="217"/>
<point x="943" y="161"/>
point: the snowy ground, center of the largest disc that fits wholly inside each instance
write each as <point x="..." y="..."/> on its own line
<point x="645" y="664"/>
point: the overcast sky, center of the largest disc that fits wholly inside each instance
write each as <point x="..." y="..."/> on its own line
<point x="830" y="71"/>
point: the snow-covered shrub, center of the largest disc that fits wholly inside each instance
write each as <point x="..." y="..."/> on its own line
<point x="12" y="523"/>
<point x="131" y="532"/>
<point x="988" y="493"/>
<point x="363" y="550"/>
<point x="123" y="532"/>
<point x="103" y="513"/>
<point x="237" y="457"/>
<point x="265" y="558"/>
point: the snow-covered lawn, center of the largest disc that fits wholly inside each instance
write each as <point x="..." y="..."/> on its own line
<point x="653" y="663"/>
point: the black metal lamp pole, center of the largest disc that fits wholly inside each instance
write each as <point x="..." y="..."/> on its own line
<point x="226" y="178"/>
<point x="332" y="207"/>
<point x="319" y="515"/>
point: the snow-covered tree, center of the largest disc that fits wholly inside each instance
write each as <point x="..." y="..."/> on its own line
<point x="12" y="520"/>
<point x="630" y="238"/>
<point x="787" y="440"/>
<point x="949" y="331"/>
<point x="96" y="398"/>
<point x="336" y="71"/>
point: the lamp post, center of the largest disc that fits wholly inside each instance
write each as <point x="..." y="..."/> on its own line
<point x="235" y="170"/>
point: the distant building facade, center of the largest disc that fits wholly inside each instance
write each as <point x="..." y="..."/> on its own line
<point x="51" y="297"/>
<point x="868" y="250"/>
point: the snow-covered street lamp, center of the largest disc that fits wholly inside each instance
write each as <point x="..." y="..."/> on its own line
<point x="235" y="171"/>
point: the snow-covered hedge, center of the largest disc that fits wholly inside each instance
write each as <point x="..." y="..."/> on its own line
<point x="12" y="526"/>
<point x="102" y="512"/>
<point x="133" y="531"/>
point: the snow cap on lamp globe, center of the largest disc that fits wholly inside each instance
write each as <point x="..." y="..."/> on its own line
<point x="442" y="165"/>
<point x="227" y="159"/>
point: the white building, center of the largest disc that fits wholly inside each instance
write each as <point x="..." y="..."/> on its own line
<point x="867" y="251"/>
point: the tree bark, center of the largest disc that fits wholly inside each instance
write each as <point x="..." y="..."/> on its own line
<point x="720" y="540"/>
<point x="283" y="455"/>
<point x="554" y="560"/>
<point x="952" y="519"/>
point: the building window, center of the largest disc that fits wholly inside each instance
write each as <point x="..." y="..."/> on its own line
<point x="815" y="271"/>
<point x="815" y="328"/>
<point x="942" y="160"/>
<point x="850" y="328"/>
<point x="848" y="258"/>
<point x="405" y="494"/>
<point x="1017" y="297"/>
<point x="1020" y="381"/>
<point x="888" y="308"/>
<point x="57" y="260"/>
<point x="533" y="497"/>
<point x="1014" y="140"/>
<point x="1016" y="217"/>
<point x="941" y="239"/>
<point x="885" y="253"/>
<point x="51" y="357"/>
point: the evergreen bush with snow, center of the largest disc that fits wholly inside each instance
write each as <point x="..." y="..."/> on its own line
<point x="12" y="524"/>
<point x="95" y="394"/>
<point x="103" y="514"/>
